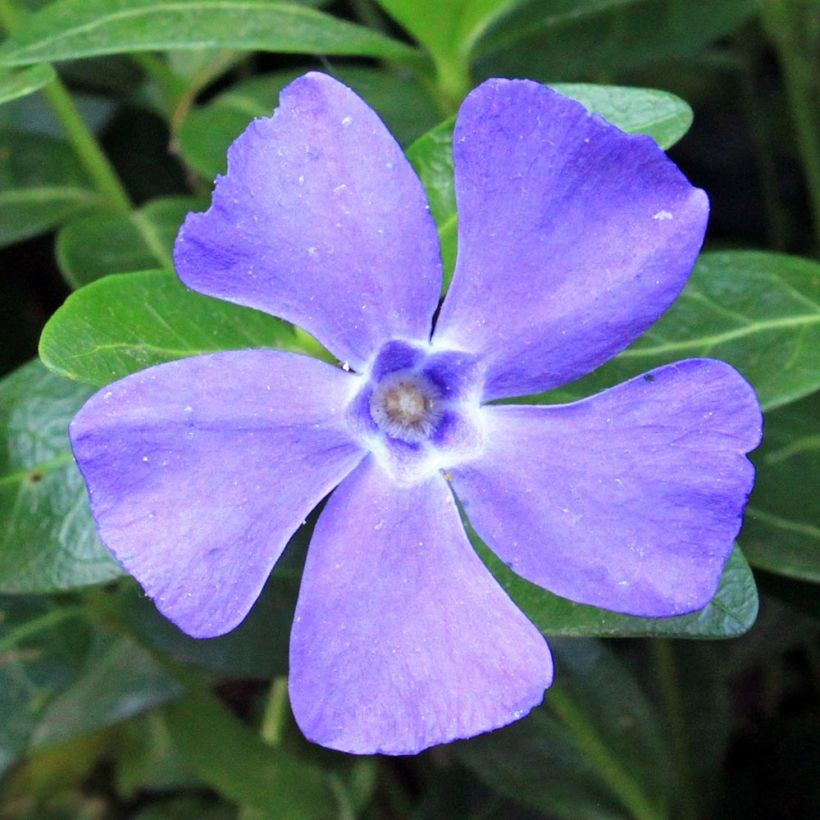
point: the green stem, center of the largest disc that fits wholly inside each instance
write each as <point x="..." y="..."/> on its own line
<point x="453" y="80"/>
<point x="221" y="61"/>
<point x="39" y="624"/>
<point x="777" y="218"/>
<point x="276" y="710"/>
<point x="794" y="28"/>
<point x="670" y="693"/>
<point x="623" y="785"/>
<point x="170" y="85"/>
<point x="85" y="144"/>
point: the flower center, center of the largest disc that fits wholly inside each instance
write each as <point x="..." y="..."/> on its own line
<point x="406" y="406"/>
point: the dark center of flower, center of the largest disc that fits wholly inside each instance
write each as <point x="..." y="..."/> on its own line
<point x="405" y="406"/>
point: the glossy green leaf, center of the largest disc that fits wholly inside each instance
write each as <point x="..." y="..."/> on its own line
<point x="48" y="541"/>
<point x="41" y="185"/>
<point x="236" y="762"/>
<point x="661" y="115"/>
<point x="71" y="29"/>
<point x="758" y="311"/>
<point x="432" y="157"/>
<point x="730" y="613"/>
<point x="594" y="749"/>
<point x="782" y="529"/>
<point x="101" y="242"/>
<point x="583" y="39"/>
<point x="208" y="131"/>
<point x="124" y="323"/>
<point x="14" y="84"/>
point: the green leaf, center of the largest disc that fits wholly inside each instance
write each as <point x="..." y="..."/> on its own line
<point x="101" y="242"/>
<point x="595" y="747"/>
<point x="208" y="131"/>
<point x="256" y="649"/>
<point x="38" y="655"/>
<point x="124" y="323"/>
<point x="572" y="39"/>
<point x="782" y="529"/>
<point x="120" y="679"/>
<point x="758" y="311"/>
<point x="661" y="115"/>
<point x="730" y="613"/>
<point x="432" y="157"/>
<point x="41" y="185"/>
<point x="665" y="117"/>
<point x="71" y="29"/>
<point x="14" y="84"/>
<point x="48" y="541"/>
<point x="62" y="677"/>
<point x="239" y="765"/>
<point x="146" y="760"/>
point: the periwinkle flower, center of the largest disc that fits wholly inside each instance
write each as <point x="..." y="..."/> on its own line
<point x="573" y="238"/>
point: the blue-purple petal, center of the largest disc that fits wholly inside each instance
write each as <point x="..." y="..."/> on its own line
<point x="629" y="500"/>
<point x="320" y="220"/>
<point x="402" y="639"/>
<point x="573" y="237"/>
<point x="200" y="470"/>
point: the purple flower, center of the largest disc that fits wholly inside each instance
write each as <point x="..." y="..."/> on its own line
<point x="573" y="238"/>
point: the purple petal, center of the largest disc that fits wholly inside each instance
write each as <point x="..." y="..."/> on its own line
<point x="573" y="237"/>
<point x="321" y="221"/>
<point x="629" y="500"/>
<point x="200" y="470"/>
<point x="402" y="639"/>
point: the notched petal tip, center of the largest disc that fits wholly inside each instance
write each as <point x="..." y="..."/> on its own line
<point x="319" y="221"/>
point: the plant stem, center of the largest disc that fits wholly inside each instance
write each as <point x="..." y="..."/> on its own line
<point x="276" y="709"/>
<point x="170" y="85"/>
<point x="664" y="657"/>
<point x="39" y="624"/>
<point x="223" y="60"/>
<point x="453" y="80"/>
<point x="623" y="785"/>
<point x="794" y="28"/>
<point x="85" y="144"/>
<point x="777" y="219"/>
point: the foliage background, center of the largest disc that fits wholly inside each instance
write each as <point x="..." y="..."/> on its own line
<point x="115" y="119"/>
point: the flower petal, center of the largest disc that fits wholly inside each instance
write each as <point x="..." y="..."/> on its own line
<point x="320" y="221"/>
<point x="629" y="500"/>
<point x="200" y="470"/>
<point x="402" y="639"/>
<point x="573" y="237"/>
